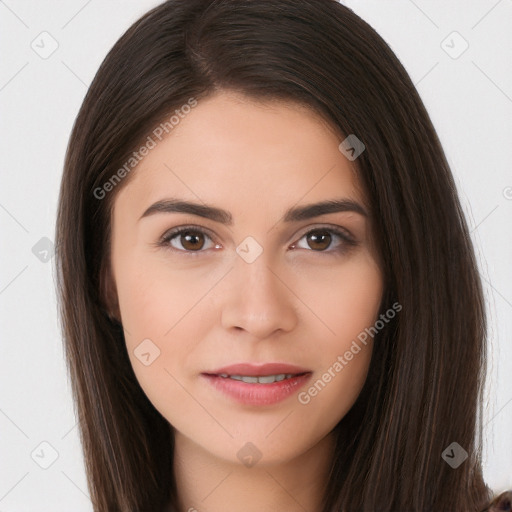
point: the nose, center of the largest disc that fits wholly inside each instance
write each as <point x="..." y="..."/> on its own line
<point x="257" y="300"/>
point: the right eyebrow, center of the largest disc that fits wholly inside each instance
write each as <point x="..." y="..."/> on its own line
<point x="178" y="206"/>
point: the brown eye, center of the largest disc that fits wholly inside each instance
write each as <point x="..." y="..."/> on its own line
<point x="319" y="240"/>
<point x="192" y="240"/>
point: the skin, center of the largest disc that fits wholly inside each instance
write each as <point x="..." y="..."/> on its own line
<point x="295" y="303"/>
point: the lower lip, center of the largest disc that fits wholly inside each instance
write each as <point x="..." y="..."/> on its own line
<point x="257" y="394"/>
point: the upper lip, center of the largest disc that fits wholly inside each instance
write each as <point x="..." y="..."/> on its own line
<point x="259" y="370"/>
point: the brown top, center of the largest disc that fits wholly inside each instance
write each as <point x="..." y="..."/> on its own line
<point x="502" y="503"/>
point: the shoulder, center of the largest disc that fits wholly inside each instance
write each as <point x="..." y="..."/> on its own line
<point x="501" y="503"/>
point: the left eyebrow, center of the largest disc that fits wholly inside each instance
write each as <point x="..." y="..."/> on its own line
<point x="310" y="211"/>
<point x="295" y="214"/>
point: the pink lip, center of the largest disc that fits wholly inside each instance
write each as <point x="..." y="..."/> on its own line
<point x="258" y="394"/>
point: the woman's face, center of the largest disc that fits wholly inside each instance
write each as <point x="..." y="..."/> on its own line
<point x="257" y="279"/>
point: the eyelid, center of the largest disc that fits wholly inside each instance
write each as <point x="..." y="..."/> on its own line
<point x="335" y="228"/>
<point x="165" y="239"/>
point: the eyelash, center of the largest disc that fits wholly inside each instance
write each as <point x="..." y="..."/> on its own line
<point x="347" y="241"/>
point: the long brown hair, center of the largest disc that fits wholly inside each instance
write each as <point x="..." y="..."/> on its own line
<point x="425" y="383"/>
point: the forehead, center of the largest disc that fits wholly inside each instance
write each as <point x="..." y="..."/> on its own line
<point x="250" y="154"/>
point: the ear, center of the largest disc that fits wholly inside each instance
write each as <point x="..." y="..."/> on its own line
<point x="108" y="292"/>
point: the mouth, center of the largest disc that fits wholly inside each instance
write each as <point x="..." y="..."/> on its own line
<point x="258" y="385"/>
<point x="262" y="379"/>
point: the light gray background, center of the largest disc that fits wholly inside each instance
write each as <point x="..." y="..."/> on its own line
<point x="469" y="97"/>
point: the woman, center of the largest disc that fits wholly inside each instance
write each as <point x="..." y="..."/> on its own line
<point x="267" y="285"/>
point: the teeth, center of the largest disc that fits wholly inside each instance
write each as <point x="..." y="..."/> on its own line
<point x="266" y="379"/>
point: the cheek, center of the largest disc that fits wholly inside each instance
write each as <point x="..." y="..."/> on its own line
<point x="358" y="292"/>
<point x="157" y="348"/>
<point x="155" y="298"/>
<point x="159" y="308"/>
<point x="348" y="305"/>
<point x="346" y="300"/>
